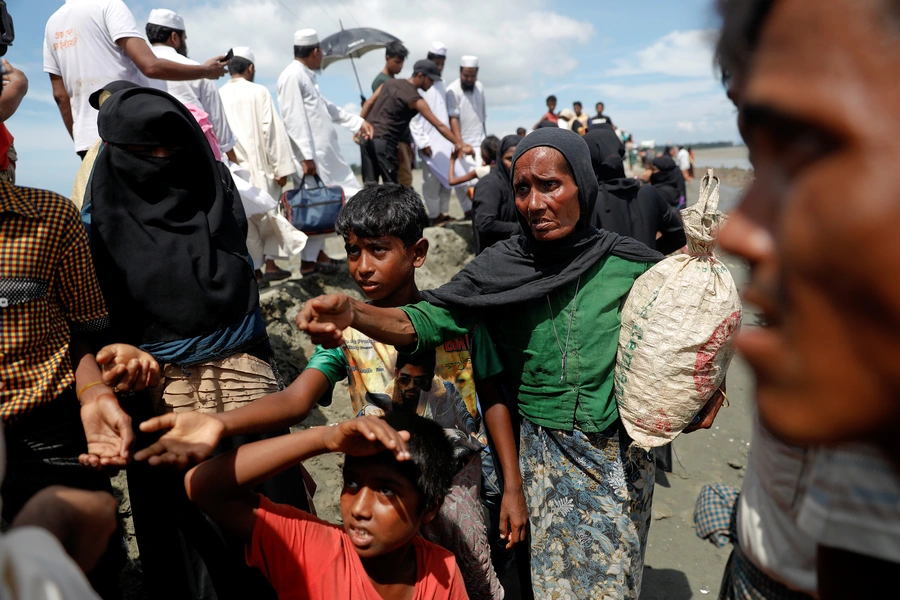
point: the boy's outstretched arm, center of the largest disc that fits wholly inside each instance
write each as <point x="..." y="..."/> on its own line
<point x="192" y="436"/>
<point x="222" y="486"/>
<point x="325" y="317"/>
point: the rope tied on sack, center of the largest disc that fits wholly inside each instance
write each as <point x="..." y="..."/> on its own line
<point x="703" y="220"/>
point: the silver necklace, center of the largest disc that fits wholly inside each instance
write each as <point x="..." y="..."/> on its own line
<point x="564" y="351"/>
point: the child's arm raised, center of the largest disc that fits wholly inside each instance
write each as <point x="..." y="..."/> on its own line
<point x="192" y="436"/>
<point x="222" y="486"/>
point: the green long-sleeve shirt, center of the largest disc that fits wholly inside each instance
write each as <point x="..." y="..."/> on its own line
<point x="524" y="336"/>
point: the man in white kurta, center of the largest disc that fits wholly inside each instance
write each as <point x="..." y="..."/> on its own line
<point x="264" y="150"/>
<point x="465" y="104"/>
<point x="434" y="149"/>
<point x="309" y="119"/>
<point x="165" y="30"/>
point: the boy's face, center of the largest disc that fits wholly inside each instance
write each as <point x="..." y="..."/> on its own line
<point x="412" y="380"/>
<point x="380" y="507"/>
<point x="819" y="224"/>
<point x="551" y="105"/>
<point x="382" y="266"/>
<point x="394" y="65"/>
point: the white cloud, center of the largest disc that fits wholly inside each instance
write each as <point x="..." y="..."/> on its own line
<point x="687" y="126"/>
<point x="509" y="70"/>
<point x="679" y="54"/>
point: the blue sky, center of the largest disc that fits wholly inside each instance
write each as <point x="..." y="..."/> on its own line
<point x="650" y="62"/>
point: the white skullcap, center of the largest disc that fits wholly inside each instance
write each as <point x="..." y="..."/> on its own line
<point x="166" y="18"/>
<point x="438" y="49"/>
<point x="468" y="61"/>
<point x="306" y="37"/>
<point x="244" y="52"/>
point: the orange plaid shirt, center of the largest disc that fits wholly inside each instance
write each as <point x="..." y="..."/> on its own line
<point x="48" y="290"/>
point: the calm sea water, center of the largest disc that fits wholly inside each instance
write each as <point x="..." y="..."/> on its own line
<point x="735" y="157"/>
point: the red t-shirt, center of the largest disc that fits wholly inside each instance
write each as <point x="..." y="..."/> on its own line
<point x="306" y="558"/>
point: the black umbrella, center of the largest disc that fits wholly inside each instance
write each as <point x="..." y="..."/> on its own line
<point x="353" y="43"/>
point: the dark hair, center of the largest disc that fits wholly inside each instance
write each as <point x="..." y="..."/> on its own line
<point x="389" y="209"/>
<point x="238" y="65"/>
<point x="489" y="148"/>
<point x="598" y="104"/>
<point x="577" y="103"/>
<point x="432" y="56"/>
<point x="551" y="97"/>
<point x="426" y="359"/>
<point x="304" y="51"/>
<point x="742" y="23"/>
<point x="430" y="466"/>
<point x="160" y="34"/>
<point x="522" y="131"/>
<point x="395" y="50"/>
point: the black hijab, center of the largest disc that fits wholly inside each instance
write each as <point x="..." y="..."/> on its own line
<point x="170" y="258"/>
<point x="494" y="197"/>
<point x="669" y="181"/>
<point x="521" y="268"/>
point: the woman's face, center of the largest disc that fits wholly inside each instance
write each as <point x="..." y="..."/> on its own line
<point x="507" y="157"/>
<point x="546" y="194"/>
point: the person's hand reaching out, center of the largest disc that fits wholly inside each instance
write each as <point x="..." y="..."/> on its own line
<point x="107" y="428"/>
<point x="324" y="318"/>
<point x="127" y="368"/>
<point x="191" y="439"/>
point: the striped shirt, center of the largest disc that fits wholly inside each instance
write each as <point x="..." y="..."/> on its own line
<point x="48" y="290"/>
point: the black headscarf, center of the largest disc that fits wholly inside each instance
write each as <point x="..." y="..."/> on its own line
<point x="170" y="258"/>
<point x="521" y="268"/>
<point x="494" y="203"/>
<point x="669" y="181"/>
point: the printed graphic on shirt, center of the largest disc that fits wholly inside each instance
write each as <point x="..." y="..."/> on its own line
<point x="439" y="385"/>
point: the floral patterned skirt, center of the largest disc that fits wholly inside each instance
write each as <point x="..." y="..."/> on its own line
<point x="589" y="501"/>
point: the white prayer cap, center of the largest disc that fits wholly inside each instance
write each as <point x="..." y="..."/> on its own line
<point x="438" y="49"/>
<point x="306" y="37"/>
<point x="244" y="52"/>
<point x="166" y="18"/>
<point x="468" y="61"/>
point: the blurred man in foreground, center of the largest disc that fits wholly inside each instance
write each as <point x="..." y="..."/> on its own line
<point x="822" y="253"/>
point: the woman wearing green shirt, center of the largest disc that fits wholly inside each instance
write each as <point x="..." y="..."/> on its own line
<point x="551" y="300"/>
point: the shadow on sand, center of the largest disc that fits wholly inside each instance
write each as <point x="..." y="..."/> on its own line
<point x="665" y="584"/>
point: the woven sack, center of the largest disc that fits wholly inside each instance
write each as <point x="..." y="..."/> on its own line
<point x="678" y="328"/>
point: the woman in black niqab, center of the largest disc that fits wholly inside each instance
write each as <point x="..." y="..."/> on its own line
<point x="170" y="257"/>
<point x="624" y="205"/>
<point x="667" y="178"/>
<point x="494" y="204"/>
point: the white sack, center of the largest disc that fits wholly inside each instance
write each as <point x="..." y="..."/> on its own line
<point x="678" y="328"/>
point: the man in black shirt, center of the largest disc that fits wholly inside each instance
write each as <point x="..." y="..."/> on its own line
<point x="601" y="118"/>
<point x="389" y="110"/>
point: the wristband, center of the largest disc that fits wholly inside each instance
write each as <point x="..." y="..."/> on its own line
<point x="85" y="388"/>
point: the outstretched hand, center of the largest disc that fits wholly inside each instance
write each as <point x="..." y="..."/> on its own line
<point x="365" y="436"/>
<point x="324" y="319"/>
<point x="191" y="439"/>
<point x="126" y="368"/>
<point x="108" y="431"/>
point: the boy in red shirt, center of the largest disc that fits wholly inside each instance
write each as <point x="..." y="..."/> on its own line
<point x="394" y="482"/>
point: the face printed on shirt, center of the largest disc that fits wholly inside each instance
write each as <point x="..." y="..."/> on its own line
<point x="412" y="380"/>
<point x="379" y="506"/>
<point x="820" y="223"/>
